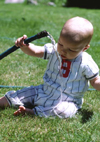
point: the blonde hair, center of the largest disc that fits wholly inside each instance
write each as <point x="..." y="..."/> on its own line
<point x="77" y="30"/>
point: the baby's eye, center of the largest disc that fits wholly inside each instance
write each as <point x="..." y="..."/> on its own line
<point x="71" y="50"/>
<point x="60" y="44"/>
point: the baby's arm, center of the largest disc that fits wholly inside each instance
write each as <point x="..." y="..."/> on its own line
<point x="30" y="49"/>
<point x="96" y="83"/>
<point x="23" y="110"/>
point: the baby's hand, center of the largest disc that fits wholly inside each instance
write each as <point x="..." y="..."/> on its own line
<point x="20" y="41"/>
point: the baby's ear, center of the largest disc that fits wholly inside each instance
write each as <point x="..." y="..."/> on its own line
<point x="86" y="47"/>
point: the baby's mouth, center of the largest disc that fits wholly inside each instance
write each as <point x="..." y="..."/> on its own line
<point x="63" y="57"/>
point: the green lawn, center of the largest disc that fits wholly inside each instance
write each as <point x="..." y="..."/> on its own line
<point x="19" y="69"/>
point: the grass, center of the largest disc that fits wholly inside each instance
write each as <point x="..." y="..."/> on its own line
<point x="19" y="69"/>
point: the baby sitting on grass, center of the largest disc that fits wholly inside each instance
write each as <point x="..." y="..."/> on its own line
<point x="63" y="89"/>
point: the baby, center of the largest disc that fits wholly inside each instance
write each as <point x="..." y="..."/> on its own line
<point x="65" y="83"/>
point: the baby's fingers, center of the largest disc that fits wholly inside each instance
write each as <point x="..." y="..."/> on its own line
<point x="20" y="41"/>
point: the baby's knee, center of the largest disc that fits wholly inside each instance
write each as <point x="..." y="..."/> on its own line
<point x="65" y="109"/>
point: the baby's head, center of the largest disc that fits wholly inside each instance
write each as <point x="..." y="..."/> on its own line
<point x="74" y="37"/>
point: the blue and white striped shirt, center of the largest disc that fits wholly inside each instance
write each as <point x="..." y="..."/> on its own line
<point x="82" y="69"/>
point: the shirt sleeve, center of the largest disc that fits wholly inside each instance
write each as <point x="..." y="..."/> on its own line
<point x="91" y="69"/>
<point x="48" y="50"/>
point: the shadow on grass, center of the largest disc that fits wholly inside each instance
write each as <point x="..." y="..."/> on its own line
<point x="86" y="115"/>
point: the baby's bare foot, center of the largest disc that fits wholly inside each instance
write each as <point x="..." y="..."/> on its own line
<point x="21" y="110"/>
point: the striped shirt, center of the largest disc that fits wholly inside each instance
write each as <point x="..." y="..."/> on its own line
<point x="76" y="73"/>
